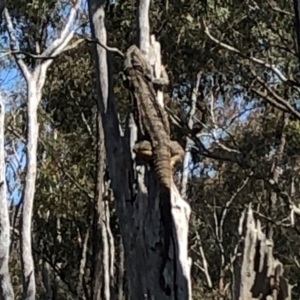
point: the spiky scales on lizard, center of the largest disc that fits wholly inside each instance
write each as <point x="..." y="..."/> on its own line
<point x="151" y="118"/>
<point x="154" y="141"/>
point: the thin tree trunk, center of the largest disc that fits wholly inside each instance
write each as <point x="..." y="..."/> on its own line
<point x="110" y="246"/>
<point x="46" y="273"/>
<point x="101" y="271"/>
<point x="35" y="81"/>
<point x="6" y="290"/>
<point x="117" y="157"/>
<point x="28" y="196"/>
<point x="297" y="27"/>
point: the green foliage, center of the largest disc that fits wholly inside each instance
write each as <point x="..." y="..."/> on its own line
<point x="293" y="135"/>
<point x="66" y="173"/>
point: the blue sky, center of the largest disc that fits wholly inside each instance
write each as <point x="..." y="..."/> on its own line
<point x="8" y="80"/>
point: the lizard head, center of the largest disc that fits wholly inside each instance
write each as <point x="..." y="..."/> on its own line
<point x="134" y="59"/>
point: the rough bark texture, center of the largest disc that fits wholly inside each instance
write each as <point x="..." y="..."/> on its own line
<point x="176" y="271"/>
<point x="138" y="209"/>
<point x="108" y="116"/>
<point x="257" y="274"/>
<point x="155" y="145"/>
<point x="97" y="224"/>
<point x="6" y="290"/>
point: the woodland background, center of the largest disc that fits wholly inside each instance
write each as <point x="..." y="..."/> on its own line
<point x="243" y="112"/>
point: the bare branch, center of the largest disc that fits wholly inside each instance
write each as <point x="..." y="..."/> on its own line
<point x="272" y="67"/>
<point x="279" y="10"/>
<point x="269" y="99"/>
<point x="97" y="41"/>
<point x="189" y="141"/>
<point x="13" y="46"/>
<point x="286" y="106"/>
<point x="82" y="264"/>
<point x="205" y="266"/>
<point x="66" y="35"/>
<point x="73" y="180"/>
<point x="67" y="48"/>
<point x="19" y="52"/>
<point x="227" y="205"/>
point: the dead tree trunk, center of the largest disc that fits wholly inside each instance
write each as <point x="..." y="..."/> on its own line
<point x="256" y="273"/>
<point x="136" y="192"/>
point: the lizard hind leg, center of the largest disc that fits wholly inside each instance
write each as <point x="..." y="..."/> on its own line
<point x="177" y="153"/>
<point x="159" y="158"/>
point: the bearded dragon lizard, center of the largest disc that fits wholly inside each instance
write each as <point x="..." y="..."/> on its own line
<point x="154" y="142"/>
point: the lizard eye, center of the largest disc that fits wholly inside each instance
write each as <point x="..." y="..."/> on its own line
<point x="148" y="77"/>
<point x="137" y="67"/>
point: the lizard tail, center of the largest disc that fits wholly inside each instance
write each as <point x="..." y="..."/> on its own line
<point x="162" y="166"/>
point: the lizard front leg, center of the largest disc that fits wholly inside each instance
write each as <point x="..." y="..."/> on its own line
<point x="177" y="153"/>
<point x="143" y="149"/>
